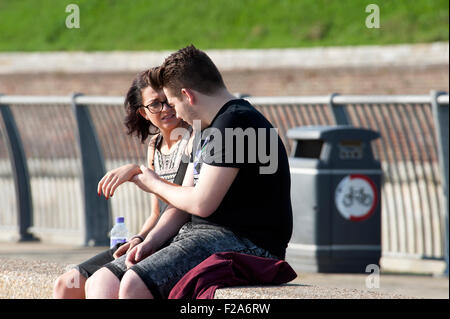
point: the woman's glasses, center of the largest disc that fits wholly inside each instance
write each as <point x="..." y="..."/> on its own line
<point x="157" y="106"/>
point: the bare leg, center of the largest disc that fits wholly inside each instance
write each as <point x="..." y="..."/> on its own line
<point x="69" y="286"/>
<point x="103" y="284"/>
<point x="132" y="287"/>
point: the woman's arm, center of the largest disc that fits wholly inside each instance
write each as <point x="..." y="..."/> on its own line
<point x="167" y="227"/>
<point x="154" y="212"/>
<point x="152" y="219"/>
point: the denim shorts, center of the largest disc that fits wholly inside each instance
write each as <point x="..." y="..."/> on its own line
<point x="90" y="266"/>
<point x="193" y="244"/>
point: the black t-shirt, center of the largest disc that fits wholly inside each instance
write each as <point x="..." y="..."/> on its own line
<point x="258" y="204"/>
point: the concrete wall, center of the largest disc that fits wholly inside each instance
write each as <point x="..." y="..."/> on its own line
<point x="396" y="69"/>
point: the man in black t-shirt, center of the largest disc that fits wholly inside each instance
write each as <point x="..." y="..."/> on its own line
<point x="236" y="192"/>
<point x="257" y="204"/>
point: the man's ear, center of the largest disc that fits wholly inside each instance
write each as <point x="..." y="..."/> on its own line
<point x="189" y="95"/>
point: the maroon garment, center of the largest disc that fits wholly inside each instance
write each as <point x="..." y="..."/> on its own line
<point x="230" y="269"/>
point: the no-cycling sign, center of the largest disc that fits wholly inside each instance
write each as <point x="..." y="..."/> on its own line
<point x="356" y="197"/>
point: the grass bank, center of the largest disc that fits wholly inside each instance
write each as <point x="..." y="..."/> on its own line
<point x="40" y="25"/>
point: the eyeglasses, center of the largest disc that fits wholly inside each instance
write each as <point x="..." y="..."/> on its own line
<point x="157" y="106"/>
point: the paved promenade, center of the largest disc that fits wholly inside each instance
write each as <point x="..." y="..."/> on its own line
<point x="28" y="270"/>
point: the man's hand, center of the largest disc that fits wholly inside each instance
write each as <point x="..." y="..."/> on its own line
<point x="139" y="252"/>
<point x="125" y="248"/>
<point x="146" y="179"/>
<point x="200" y="200"/>
<point x="109" y="183"/>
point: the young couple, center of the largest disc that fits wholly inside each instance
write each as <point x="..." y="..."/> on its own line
<point x="221" y="206"/>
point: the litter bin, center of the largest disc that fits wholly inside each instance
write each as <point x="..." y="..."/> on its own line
<point x="335" y="192"/>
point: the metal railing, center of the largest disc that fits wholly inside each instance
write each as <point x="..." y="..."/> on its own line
<point x="55" y="149"/>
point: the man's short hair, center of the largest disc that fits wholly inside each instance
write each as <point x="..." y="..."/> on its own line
<point x="190" y="68"/>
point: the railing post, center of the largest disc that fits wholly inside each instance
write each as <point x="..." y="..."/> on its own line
<point x="338" y="110"/>
<point x="96" y="210"/>
<point x="440" y="113"/>
<point x="20" y="173"/>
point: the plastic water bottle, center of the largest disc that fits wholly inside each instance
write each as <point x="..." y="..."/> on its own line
<point x="119" y="232"/>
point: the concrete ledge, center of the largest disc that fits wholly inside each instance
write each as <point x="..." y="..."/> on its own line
<point x="299" y="291"/>
<point x="28" y="270"/>
<point x="248" y="59"/>
<point x="24" y="278"/>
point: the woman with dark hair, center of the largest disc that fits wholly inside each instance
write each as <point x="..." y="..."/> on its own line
<point x="147" y="114"/>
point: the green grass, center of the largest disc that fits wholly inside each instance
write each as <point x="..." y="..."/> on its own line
<point x="39" y="25"/>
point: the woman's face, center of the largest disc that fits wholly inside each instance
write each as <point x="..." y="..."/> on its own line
<point x="165" y="119"/>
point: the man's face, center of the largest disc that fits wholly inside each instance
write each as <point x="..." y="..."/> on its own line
<point x="181" y="105"/>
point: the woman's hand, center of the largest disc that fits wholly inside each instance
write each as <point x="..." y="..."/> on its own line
<point x="139" y="252"/>
<point x="115" y="177"/>
<point x="145" y="179"/>
<point x="125" y="248"/>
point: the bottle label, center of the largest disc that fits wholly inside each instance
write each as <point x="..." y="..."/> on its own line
<point x="115" y="241"/>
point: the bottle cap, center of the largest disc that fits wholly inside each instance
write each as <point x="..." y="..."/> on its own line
<point x="120" y="220"/>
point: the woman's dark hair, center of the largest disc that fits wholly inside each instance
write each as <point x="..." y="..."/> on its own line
<point x="135" y="123"/>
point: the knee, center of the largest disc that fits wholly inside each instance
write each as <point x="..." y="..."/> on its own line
<point x="89" y="284"/>
<point x="69" y="285"/>
<point x="102" y="284"/>
<point x="132" y="287"/>
<point x="59" y="288"/>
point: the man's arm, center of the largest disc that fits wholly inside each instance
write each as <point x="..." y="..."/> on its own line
<point x="201" y="200"/>
<point x="168" y="226"/>
<point x="172" y="219"/>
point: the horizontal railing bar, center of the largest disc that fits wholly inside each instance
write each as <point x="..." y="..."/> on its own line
<point x="442" y="99"/>
<point x="34" y="99"/>
<point x="37" y="99"/>
<point x="105" y="100"/>
<point x="260" y="100"/>
<point x="271" y="100"/>
<point x="381" y="99"/>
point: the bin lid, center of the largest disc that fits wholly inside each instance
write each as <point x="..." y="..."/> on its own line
<point x="332" y="133"/>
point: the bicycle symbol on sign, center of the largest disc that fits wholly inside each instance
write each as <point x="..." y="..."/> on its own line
<point x="359" y="196"/>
